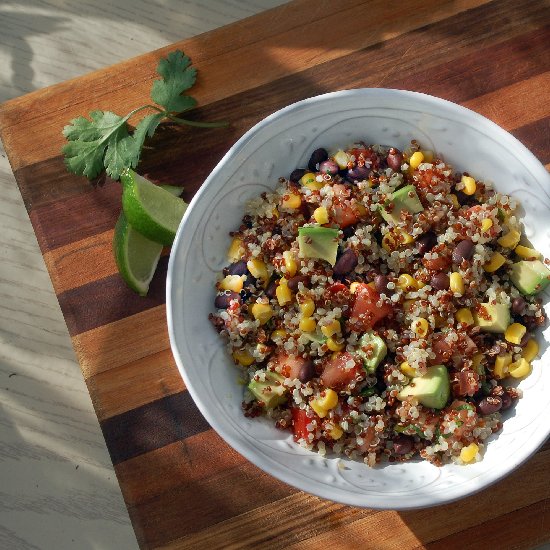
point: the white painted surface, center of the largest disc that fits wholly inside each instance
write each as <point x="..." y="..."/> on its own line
<point x="57" y="485"/>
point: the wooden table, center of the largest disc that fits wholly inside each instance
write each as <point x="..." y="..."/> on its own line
<point x="183" y="486"/>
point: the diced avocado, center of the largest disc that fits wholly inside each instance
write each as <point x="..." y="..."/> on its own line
<point x="530" y="276"/>
<point x="271" y="392"/>
<point x="493" y="317"/>
<point x="318" y="242"/>
<point x="372" y="349"/>
<point x="431" y="390"/>
<point x="405" y="198"/>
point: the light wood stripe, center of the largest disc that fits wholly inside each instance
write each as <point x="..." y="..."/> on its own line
<point x="140" y="382"/>
<point x="122" y="342"/>
<point x="218" y="74"/>
<point x="507" y="106"/>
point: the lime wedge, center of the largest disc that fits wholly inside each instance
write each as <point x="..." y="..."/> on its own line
<point x="155" y="212"/>
<point x="136" y="256"/>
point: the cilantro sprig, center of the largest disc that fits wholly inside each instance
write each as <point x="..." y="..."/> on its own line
<point x="104" y="142"/>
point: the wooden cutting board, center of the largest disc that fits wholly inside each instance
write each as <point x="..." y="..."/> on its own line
<point x="184" y="487"/>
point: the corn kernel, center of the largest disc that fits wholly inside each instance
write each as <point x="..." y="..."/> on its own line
<point x="515" y="332"/>
<point x="408" y="305"/>
<point x="341" y="158"/>
<point x="420" y="327"/>
<point x="236" y="250"/>
<point x="307" y="325"/>
<point x="407" y="370"/>
<point x="496" y="262"/>
<point x="243" y="357"/>
<point x="292" y="201"/>
<point x="283" y="293"/>
<point x="470" y="185"/>
<point x="372" y="284"/>
<point x="468" y="454"/>
<point x="278" y="334"/>
<point x="456" y="283"/>
<point x="336" y="432"/>
<point x="502" y="362"/>
<point x="332" y="328"/>
<point x="232" y="282"/>
<point x="290" y="263"/>
<point x="486" y="224"/>
<point x="520" y="368"/>
<point x="307" y="307"/>
<point x="428" y="156"/>
<point x="416" y="159"/>
<point x="319" y="410"/>
<point x="353" y="287"/>
<point x="328" y="399"/>
<point x="406" y="282"/>
<point x="464" y="315"/>
<point x="526" y="252"/>
<point x="454" y="200"/>
<point x="510" y="240"/>
<point x="334" y="345"/>
<point x="393" y="240"/>
<point x="258" y="269"/>
<point x="309" y="180"/>
<point x="531" y="350"/>
<point x="321" y="215"/>
<point x="262" y="312"/>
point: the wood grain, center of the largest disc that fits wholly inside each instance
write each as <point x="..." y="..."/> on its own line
<point x="183" y="486"/>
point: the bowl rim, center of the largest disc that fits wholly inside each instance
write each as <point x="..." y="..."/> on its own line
<point x="282" y="474"/>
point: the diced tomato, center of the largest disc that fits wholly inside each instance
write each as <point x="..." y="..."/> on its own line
<point x="336" y="374"/>
<point x="299" y="423"/>
<point x="365" y="312"/>
<point x="465" y="382"/>
<point x="442" y="261"/>
<point x="345" y="214"/>
<point x="290" y="364"/>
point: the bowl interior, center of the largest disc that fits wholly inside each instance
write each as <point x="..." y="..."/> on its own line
<point x="273" y="148"/>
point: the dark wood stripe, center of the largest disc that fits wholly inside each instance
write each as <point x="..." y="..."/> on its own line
<point x="152" y="426"/>
<point x="196" y="505"/>
<point x="60" y="222"/>
<point x="536" y="137"/>
<point x="110" y="299"/>
<point x="504" y="532"/>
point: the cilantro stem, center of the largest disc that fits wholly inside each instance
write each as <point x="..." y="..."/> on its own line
<point x="196" y="123"/>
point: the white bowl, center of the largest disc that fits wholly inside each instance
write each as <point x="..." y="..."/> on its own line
<point x="273" y="148"/>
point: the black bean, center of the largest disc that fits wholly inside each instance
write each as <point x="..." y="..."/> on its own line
<point x="222" y="301"/>
<point x="296" y="175"/>
<point x="292" y="283"/>
<point x="359" y="173"/>
<point x="403" y="444"/>
<point x="318" y="156"/>
<point x="490" y="404"/>
<point x="381" y="283"/>
<point x="507" y="401"/>
<point x="348" y="231"/>
<point x="271" y="289"/>
<point x="426" y="242"/>
<point x="307" y="372"/>
<point x="238" y="268"/>
<point x="440" y="281"/>
<point x="464" y="250"/>
<point x="329" y="167"/>
<point x="518" y="305"/>
<point x="346" y="263"/>
<point x="394" y="159"/>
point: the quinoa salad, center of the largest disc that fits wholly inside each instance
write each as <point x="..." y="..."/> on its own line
<point x="381" y="306"/>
